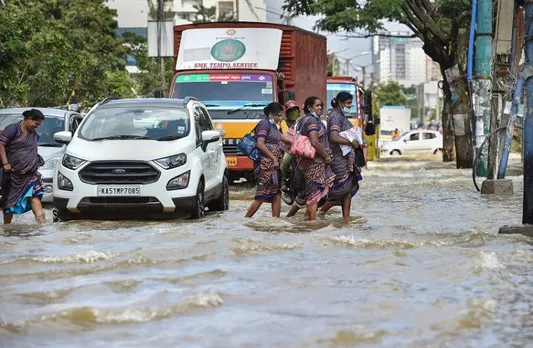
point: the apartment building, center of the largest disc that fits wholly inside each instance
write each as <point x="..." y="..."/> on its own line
<point x="399" y="59"/>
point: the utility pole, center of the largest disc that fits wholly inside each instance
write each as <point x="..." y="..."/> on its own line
<point x="363" y="71"/>
<point x="527" y="75"/>
<point x="482" y="80"/>
<point x="160" y="18"/>
<point x="503" y="37"/>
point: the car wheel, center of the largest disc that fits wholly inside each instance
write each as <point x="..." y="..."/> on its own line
<point x="395" y="151"/>
<point x="61" y="214"/>
<point x="198" y="211"/>
<point x="437" y="150"/>
<point x="222" y="202"/>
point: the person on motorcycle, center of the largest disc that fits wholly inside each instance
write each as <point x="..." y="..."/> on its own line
<point x="292" y="114"/>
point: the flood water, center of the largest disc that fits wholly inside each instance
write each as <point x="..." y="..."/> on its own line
<point x="420" y="265"/>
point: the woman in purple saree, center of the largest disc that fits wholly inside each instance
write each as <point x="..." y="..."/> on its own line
<point x="22" y="186"/>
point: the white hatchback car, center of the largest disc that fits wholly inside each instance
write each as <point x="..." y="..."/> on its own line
<point x="415" y="141"/>
<point x="142" y="158"/>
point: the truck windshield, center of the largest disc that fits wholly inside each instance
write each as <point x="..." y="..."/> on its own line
<point x="335" y="88"/>
<point x="222" y="92"/>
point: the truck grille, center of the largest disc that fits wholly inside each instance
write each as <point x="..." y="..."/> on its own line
<point x="230" y="147"/>
<point x="119" y="173"/>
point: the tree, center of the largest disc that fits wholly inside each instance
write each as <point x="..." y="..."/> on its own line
<point x="50" y="47"/>
<point x="440" y="24"/>
<point x="205" y="14"/>
<point x="148" y="79"/>
<point x="391" y="94"/>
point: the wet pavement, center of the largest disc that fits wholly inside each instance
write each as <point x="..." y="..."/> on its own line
<point x="419" y="265"/>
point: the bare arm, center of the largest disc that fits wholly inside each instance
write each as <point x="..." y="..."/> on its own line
<point x="286" y="139"/>
<point x="313" y="138"/>
<point x="3" y="157"/>
<point x="264" y="150"/>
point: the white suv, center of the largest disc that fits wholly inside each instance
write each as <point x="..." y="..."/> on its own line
<point x="142" y="157"/>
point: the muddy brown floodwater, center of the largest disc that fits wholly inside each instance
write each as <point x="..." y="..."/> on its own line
<point x="420" y="265"/>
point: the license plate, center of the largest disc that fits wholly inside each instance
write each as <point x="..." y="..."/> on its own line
<point x="119" y="191"/>
<point x="231" y="161"/>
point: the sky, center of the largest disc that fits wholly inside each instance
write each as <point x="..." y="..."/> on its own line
<point x="349" y="47"/>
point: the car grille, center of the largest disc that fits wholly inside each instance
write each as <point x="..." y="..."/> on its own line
<point x="230" y="147"/>
<point x="119" y="173"/>
<point x="121" y="200"/>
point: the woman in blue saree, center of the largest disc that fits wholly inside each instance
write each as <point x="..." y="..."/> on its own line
<point x="22" y="186"/>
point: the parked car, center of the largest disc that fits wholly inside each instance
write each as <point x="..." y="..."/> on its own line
<point x="56" y="120"/>
<point x="142" y="158"/>
<point x="415" y="141"/>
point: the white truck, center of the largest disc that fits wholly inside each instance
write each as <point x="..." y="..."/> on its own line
<point x="394" y="117"/>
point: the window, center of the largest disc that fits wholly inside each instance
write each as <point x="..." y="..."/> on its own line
<point x="429" y="136"/>
<point x="197" y="120"/>
<point x="414" y="137"/>
<point x="225" y="9"/>
<point x="205" y="121"/>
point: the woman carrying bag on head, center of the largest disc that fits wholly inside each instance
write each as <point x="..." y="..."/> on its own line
<point x="267" y="170"/>
<point x="347" y="173"/>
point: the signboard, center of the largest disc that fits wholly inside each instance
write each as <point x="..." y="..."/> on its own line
<point x="160" y="39"/>
<point x="229" y="48"/>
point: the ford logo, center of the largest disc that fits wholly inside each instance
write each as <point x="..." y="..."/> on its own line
<point x="118" y="171"/>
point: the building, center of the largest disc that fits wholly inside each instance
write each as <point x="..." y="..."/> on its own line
<point x="432" y="70"/>
<point x="399" y="59"/>
<point x="133" y="15"/>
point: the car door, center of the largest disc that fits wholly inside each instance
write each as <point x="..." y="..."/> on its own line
<point x="199" y="152"/>
<point x="215" y="151"/>
<point x="412" y="142"/>
<point x="210" y="149"/>
<point x="428" y="141"/>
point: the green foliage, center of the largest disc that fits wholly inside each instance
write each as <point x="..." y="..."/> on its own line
<point x="50" y="47"/>
<point x="118" y="83"/>
<point x="391" y="94"/>
<point x="149" y="78"/>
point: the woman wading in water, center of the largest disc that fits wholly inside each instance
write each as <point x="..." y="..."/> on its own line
<point x="347" y="174"/>
<point x="22" y="186"/>
<point x="267" y="171"/>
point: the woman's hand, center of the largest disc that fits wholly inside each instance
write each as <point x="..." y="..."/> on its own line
<point x="328" y="159"/>
<point x="355" y="144"/>
<point x="7" y="168"/>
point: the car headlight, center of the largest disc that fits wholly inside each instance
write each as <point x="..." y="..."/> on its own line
<point x="72" y="162"/>
<point x="179" y="182"/>
<point x="51" y="163"/>
<point x="173" y="161"/>
<point x="64" y="183"/>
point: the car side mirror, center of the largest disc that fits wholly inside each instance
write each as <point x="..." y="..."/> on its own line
<point x="209" y="136"/>
<point x="64" y="137"/>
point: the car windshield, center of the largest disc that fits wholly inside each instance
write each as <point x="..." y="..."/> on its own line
<point x="51" y="125"/>
<point x="134" y="122"/>
<point x="223" y="92"/>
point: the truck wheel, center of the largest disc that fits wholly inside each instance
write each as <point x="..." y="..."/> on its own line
<point x="222" y="202"/>
<point x="198" y="209"/>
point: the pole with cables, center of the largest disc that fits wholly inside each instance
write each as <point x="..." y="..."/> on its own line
<point x="482" y="79"/>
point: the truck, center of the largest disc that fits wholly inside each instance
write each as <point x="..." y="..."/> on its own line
<point x="348" y="84"/>
<point x="237" y="68"/>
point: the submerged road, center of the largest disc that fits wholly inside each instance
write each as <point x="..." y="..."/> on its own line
<point x="419" y="265"/>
